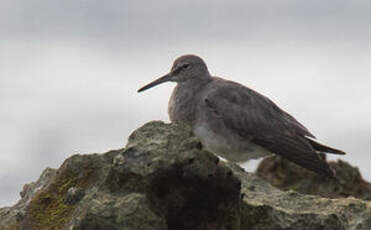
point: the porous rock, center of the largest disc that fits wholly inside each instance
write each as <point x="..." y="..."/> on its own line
<point x="289" y="176"/>
<point x="163" y="179"/>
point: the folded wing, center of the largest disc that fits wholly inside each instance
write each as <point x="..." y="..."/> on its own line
<point x="257" y="118"/>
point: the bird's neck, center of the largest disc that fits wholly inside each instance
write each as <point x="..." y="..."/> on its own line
<point x="193" y="85"/>
<point x="182" y="103"/>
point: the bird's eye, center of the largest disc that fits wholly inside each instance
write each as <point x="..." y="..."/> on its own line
<point x="185" y="66"/>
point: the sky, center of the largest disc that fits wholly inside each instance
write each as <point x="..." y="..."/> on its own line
<point x="69" y="71"/>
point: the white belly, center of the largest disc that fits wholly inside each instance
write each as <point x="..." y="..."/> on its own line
<point x="228" y="145"/>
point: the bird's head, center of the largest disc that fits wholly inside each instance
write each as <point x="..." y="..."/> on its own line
<point x="185" y="68"/>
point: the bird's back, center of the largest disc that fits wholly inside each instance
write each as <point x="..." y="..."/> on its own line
<point x="230" y="96"/>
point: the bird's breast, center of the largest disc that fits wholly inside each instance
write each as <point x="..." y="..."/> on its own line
<point x="228" y="145"/>
<point x="182" y="106"/>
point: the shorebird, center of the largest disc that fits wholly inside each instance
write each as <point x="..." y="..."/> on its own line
<point x="236" y="122"/>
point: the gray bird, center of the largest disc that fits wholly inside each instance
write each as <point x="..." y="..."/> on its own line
<point x="236" y="122"/>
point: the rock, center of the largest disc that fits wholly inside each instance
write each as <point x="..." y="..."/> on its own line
<point x="163" y="179"/>
<point x="11" y="216"/>
<point x="74" y="195"/>
<point x="286" y="175"/>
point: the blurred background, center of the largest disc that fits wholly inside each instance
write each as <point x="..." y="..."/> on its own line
<point x="69" y="71"/>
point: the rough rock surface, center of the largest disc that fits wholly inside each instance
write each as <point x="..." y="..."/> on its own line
<point x="286" y="175"/>
<point x="163" y="179"/>
<point x="10" y="216"/>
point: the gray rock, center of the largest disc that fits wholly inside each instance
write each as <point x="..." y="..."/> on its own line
<point x="286" y="175"/>
<point x="163" y="179"/>
<point x="11" y="216"/>
<point x="74" y="195"/>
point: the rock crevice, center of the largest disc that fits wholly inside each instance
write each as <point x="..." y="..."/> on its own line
<point x="163" y="179"/>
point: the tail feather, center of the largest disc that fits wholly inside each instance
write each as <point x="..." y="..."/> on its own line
<point x="323" y="148"/>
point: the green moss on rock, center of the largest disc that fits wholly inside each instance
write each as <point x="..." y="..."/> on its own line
<point x="48" y="209"/>
<point x="164" y="180"/>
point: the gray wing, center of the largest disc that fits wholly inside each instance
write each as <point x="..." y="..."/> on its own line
<point x="257" y="118"/>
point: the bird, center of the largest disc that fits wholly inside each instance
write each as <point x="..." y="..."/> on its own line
<point x="236" y="122"/>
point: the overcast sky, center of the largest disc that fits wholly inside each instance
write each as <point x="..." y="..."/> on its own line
<point x="69" y="71"/>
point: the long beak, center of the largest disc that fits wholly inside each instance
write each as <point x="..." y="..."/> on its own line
<point x="163" y="79"/>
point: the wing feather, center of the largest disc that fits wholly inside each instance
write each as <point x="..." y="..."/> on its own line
<point x="257" y="118"/>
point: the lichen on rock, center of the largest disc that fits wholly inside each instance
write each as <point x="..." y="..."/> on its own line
<point x="162" y="180"/>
